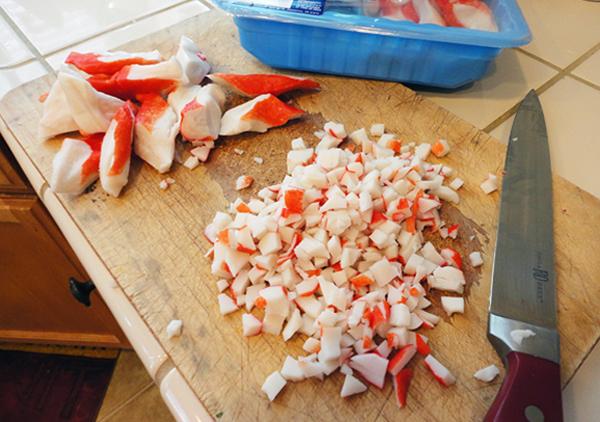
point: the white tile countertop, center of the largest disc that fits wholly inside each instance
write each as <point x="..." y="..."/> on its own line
<point x="562" y="64"/>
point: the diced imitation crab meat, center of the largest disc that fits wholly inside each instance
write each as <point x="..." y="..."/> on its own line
<point x="335" y="253"/>
<point x="76" y="165"/>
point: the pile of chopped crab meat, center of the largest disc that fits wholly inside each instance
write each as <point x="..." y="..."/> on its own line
<point x="336" y="253"/>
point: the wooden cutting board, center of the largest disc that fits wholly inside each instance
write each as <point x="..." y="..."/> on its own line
<point x="152" y="242"/>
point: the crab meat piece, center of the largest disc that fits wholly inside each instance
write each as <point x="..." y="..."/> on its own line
<point x="401" y="382"/>
<point x="400" y="315"/>
<point x="310" y="368"/>
<point x="472" y="14"/>
<point x="453" y="304"/>
<point x="199" y="111"/>
<point x="110" y="62"/>
<point x="422" y="151"/>
<point x="273" y="385"/>
<point x="307" y="287"/>
<point x="377" y="129"/>
<point x="76" y="165"/>
<point x="401" y="359"/>
<point x="401" y="11"/>
<point x="335" y="129"/>
<point x="310" y="305"/>
<point x="352" y="386"/>
<point x="133" y="80"/>
<point x="333" y="295"/>
<point x="91" y="110"/>
<point x="222" y="285"/>
<point x="56" y="115"/>
<point x="329" y="159"/>
<point x="293" y="325"/>
<point x="226" y="304"/>
<point x="193" y="63"/>
<point x="490" y="184"/>
<point x="276" y="300"/>
<point x="371" y="366"/>
<point x="253" y="85"/>
<point x="383" y="272"/>
<point x="457" y="183"/>
<point x="439" y="371"/>
<point x="272" y="323"/>
<point x="428" y="12"/>
<point x="452" y="257"/>
<point x="330" y="343"/>
<point x="440" y="148"/>
<point x="298" y="157"/>
<point x="311" y="345"/>
<point x="359" y="136"/>
<point x="431" y="254"/>
<point x="519" y="335"/>
<point x="243" y="182"/>
<point x="174" y="328"/>
<point x="291" y="370"/>
<point x="346" y="370"/>
<point x="191" y="162"/>
<point x="475" y="259"/>
<point x="155" y="132"/>
<point x="115" y="154"/>
<point x="487" y="374"/>
<point x="201" y="153"/>
<point x="298" y="143"/>
<point x="447" y="278"/>
<point x="258" y="115"/>
<point x="447" y="194"/>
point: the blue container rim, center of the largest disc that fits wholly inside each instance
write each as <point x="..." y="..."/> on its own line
<point x="518" y="35"/>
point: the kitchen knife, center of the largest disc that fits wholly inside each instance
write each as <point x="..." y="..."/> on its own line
<point x="523" y="295"/>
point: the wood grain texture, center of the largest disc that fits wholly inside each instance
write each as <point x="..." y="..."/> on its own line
<point x="35" y="264"/>
<point x="151" y="241"/>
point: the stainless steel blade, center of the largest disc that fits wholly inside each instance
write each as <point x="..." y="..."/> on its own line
<point x="523" y="278"/>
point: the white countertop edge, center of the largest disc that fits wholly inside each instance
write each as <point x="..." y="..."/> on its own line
<point x="179" y="397"/>
<point x="182" y="402"/>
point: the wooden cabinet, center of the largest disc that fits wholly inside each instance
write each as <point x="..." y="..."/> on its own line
<point x="35" y="265"/>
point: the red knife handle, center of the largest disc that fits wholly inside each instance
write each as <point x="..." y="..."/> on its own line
<point x="531" y="388"/>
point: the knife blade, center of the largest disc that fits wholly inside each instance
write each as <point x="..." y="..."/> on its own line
<point x="523" y="294"/>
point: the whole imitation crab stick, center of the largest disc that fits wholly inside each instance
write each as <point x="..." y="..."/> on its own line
<point x="428" y="12"/>
<point x="91" y="110"/>
<point x="115" y="155"/>
<point x="472" y="14"/>
<point x="399" y="11"/>
<point x="75" y="165"/>
<point x="194" y="65"/>
<point x="155" y="132"/>
<point x="254" y="85"/>
<point x="110" y="62"/>
<point x="258" y="115"/>
<point x="56" y="116"/>
<point x="133" y="80"/>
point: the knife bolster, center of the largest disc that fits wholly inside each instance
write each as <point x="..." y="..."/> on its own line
<point x="545" y="343"/>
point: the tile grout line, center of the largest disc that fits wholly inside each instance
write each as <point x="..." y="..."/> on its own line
<point x="117" y="27"/>
<point x="126" y="402"/>
<point x="36" y="53"/>
<point x="562" y="72"/>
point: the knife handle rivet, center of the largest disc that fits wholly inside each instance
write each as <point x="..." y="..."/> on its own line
<point x="534" y="414"/>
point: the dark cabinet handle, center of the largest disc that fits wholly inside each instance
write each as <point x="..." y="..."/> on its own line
<point x="81" y="290"/>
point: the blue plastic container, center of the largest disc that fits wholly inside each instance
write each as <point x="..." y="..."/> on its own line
<point x="376" y="48"/>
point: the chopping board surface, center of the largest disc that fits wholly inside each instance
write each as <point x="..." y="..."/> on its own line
<point x="152" y="243"/>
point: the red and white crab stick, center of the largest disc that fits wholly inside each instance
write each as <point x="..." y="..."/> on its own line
<point x="133" y="80"/>
<point x="115" y="155"/>
<point x="472" y="14"/>
<point x="75" y="165"/>
<point x="91" y="110"/>
<point x="401" y="11"/>
<point x="194" y="65"/>
<point x="253" y="85"/>
<point x="155" y="132"/>
<point x="56" y="115"/>
<point x="199" y="110"/>
<point x="110" y="62"/>
<point x="258" y="115"/>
